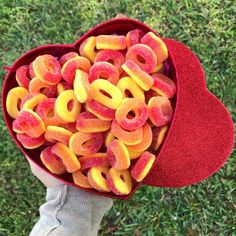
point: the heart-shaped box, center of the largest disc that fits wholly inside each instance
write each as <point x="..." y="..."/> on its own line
<point x="201" y="134"/>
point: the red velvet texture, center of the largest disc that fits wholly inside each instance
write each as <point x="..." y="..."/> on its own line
<point x="201" y="134"/>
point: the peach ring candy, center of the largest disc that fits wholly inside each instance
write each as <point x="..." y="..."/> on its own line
<point x="102" y="112"/>
<point x="47" y="69"/>
<point x="97" y="159"/>
<point x="56" y="134"/>
<point x="22" y="76"/>
<point x="113" y="42"/>
<point x="89" y="123"/>
<point x="96" y="178"/>
<point x="118" y="155"/>
<point x="119" y="181"/>
<point x="29" y="142"/>
<point x="52" y="162"/>
<point x="157" y="45"/>
<point x="108" y="138"/>
<point x="163" y="85"/>
<point x="82" y="87"/>
<point x="31" y="100"/>
<point x="133" y="155"/>
<point x="146" y="140"/>
<point x="45" y="110"/>
<point x="127" y="137"/>
<point x="142" y="166"/>
<point x="85" y="143"/>
<point x="29" y="123"/>
<point x="133" y="37"/>
<point x="14" y="98"/>
<point x="31" y="71"/>
<point x="158" y="136"/>
<point x="130" y="89"/>
<point x="88" y="48"/>
<point x="67" y="107"/>
<point x="106" y="93"/>
<point x="81" y="179"/>
<point x="143" y="56"/>
<point x="116" y="58"/>
<point x="68" y="158"/>
<point x="67" y="57"/>
<point x="38" y="86"/>
<point x="159" y="69"/>
<point x="143" y="79"/>
<point x="70" y="126"/>
<point x="69" y="68"/>
<point x="135" y="106"/>
<point x="160" y="110"/>
<point x="63" y="86"/>
<point x="103" y="70"/>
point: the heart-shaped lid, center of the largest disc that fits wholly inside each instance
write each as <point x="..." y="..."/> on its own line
<point x="201" y="134"/>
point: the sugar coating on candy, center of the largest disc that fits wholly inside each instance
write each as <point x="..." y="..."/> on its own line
<point x="113" y="42"/>
<point x="67" y="57"/>
<point x="89" y="123"/>
<point x="31" y="71"/>
<point x="29" y="142"/>
<point x="104" y="70"/>
<point x="145" y="142"/>
<point x="143" y="79"/>
<point x="52" y="162"/>
<point x="85" y="143"/>
<point x="112" y="97"/>
<point x="38" y="86"/>
<point x="22" y="76"/>
<point x="127" y="137"/>
<point x="158" y="136"/>
<point x="108" y="138"/>
<point x="81" y="179"/>
<point x="69" y="68"/>
<point x="82" y="86"/>
<point x="67" y="106"/>
<point x="14" y="97"/>
<point x="142" y="166"/>
<point x="138" y="107"/>
<point x="68" y="158"/>
<point x="47" y="69"/>
<point x="56" y="134"/>
<point x="118" y="155"/>
<point x="157" y="45"/>
<point x="29" y="122"/>
<point x="63" y="86"/>
<point x="119" y="181"/>
<point x="32" y="100"/>
<point x="129" y="88"/>
<point x="133" y="154"/>
<point x="96" y="178"/>
<point x="160" y="110"/>
<point x="100" y="111"/>
<point x="163" y="85"/>
<point x="93" y="160"/>
<point x="143" y="56"/>
<point x="45" y="110"/>
<point x="116" y="58"/>
<point x="133" y="37"/>
<point x="69" y="126"/>
<point x="88" y="48"/>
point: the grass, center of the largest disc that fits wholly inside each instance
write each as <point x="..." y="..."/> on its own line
<point x="208" y="28"/>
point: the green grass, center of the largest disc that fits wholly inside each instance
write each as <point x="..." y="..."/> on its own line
<point x="208" y="28"/>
